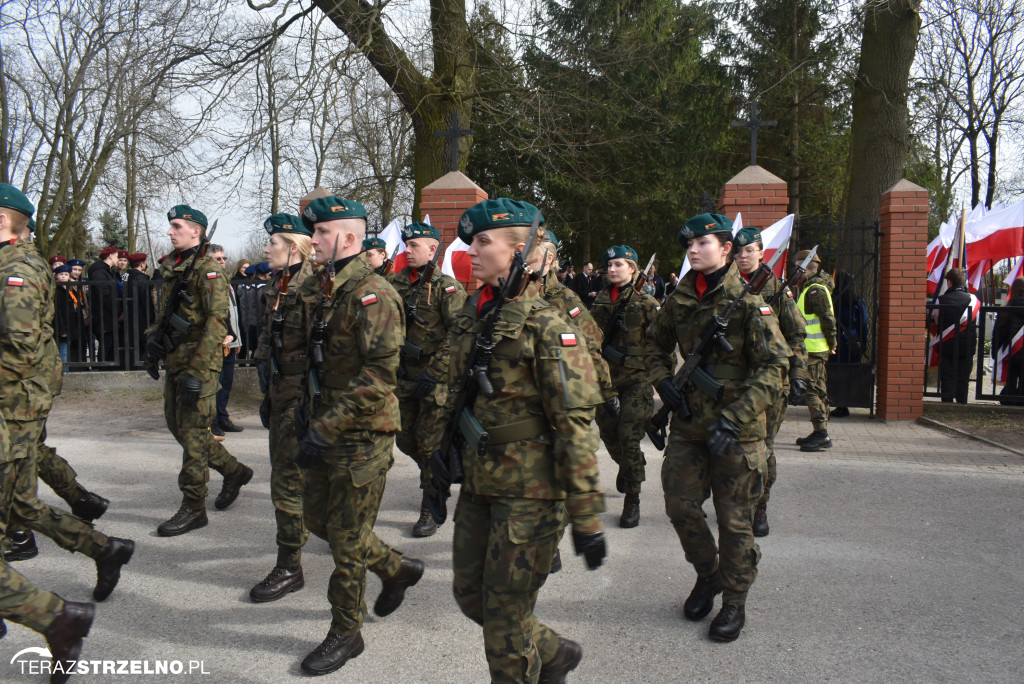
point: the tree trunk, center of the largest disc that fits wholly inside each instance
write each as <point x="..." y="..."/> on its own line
<point x="880" y="136"/>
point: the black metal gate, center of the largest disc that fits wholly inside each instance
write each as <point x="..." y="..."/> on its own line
<point x="850" y="255"/>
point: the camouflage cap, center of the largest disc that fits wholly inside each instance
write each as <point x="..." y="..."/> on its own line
<point x="620" y="252"/>
<point x="496" y="213"/>
<point x="420" y="230"/>
<point x="186" y="213"/>
<point x="13" y="198"/>
<point x="802" y="254"/>
<point x="748" y="236"/>
<point x="374" y="243"/>
<point x="704" y="224"/>
<point x="286" y="223"/>
<point x="331" y="208"/>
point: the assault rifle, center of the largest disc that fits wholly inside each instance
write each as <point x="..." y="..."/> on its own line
<point x="412" y="302"/>
<point x="793" y="278"/>
<point x="277" y="322"/>
<point x="463" y="428"/>
<point x="692" y="371"/>
<point x="617" y="325"/>
<point x="388" y="266"/>
<point x="170" y="317"/>
<point x="311" y="381"/>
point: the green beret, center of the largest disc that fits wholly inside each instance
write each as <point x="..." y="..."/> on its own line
<point x="285" y="223"/>
<point x="496" y="213"/>
<point x="331" y="208"/>
<point x="374" y="243"/>
<point x="13" y="198"/>
<point x="620" y="252"/>
<point x="31" y="225"/>
<point x="420" y="230"/>
<point x="704" y="224"/>
<point x="748" y="236"/>
<point x="187" y="213"/>
<point x="550" y="237"/>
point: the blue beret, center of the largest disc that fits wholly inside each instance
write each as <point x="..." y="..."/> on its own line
<point x="496" y="213"/>
<point x="63" y="268"/>
<point x="13" y="198"/>
<point x="331" y="208"/>
<point x="187" y="213"/>
<point x="286" y="223"/>
<point x="76" y="262"/>
<point x="748" y="236"/>
<point x="704" y="224"/>
<point x="620" y="252"/>
<point x="420" y="230"/>
<point x="261" y="268"/>
<point x="374" y="243"/>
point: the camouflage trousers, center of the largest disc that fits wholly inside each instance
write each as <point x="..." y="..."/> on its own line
<point x="26" y="511"/>
<point x="23" y="603"/>
<point x="341" y="498"/>
<point x="501" y="555"/>
<point x="689" y="474"/>
<point x="817" y="390"/>
<point x="420" y="417"/>
<point x="190" y="426"/>
<point x="58" y="473"/>
<point x="622" y="437"/>
<point x="286" y="489"/>
<point x="774" y="415"/>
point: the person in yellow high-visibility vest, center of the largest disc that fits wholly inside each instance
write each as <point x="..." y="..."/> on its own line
<point x="815" y="303"/>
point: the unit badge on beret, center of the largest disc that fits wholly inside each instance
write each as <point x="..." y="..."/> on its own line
<point x="741" y="240"/>
<point x="687" y="232"/>
<point x="406" y="233"/>
<point x="172" y="213"/>
<point x="309" y="213"/>
<point x="611" y="252"/>
<point x="500" y="217"/>
<point x="466" y="224"/>
<point x="268" y="226"/>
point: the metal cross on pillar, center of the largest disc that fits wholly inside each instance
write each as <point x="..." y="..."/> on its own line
<point x="753" y="124"/>
<point x="453" y="134"/>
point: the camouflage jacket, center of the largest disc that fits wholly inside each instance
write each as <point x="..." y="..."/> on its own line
<point x="363" y="336"/>
<point x="29" y="362"/>
<point x="426" y="344"/>
<point x="641" y="310"/>
<point x="816" y="304"/>
<point x="791" y="323"/>
<point x="291" y="360"/>
<point x="752" y="373"/>
<point x="199" y="352"/>
<point x="542" y="375"/>
<point x="568" y="302"/>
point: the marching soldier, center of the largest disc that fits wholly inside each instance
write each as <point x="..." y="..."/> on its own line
<point x="30" y="369"/>
<point x="376" y="252"/>
<point x="539" y="471"/>
<point x="716" y="445"/>
<point x="430" y="299"/>
<point x="281" y="363"/>
<point x="348" y="423"/>
<point x="192" y="358"/>
<point x="748" y="253"/>
<point x="624" y="315"/>
<point x="815" y="303"/>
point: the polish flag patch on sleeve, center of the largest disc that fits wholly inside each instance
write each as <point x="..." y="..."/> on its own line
<point x="211" y="275"/>
<point x="789" y="293"/>
<point x="15" y="281"/>
<point x="449" y="289"/>
<point x="369" y="299"/>
<point x="766" y="310"/>
<point x="574" y="312"/>
<point x="569" y="340"/>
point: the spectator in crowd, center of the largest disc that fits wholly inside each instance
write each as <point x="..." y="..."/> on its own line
<point x="670" y="286"/>
<point x="956" y="313"/>
<point x="587" y="284"/>
<point x="852" y="320"/>
<point x="1008" y="324"/>
<point x="659" y="284"/>
<point x="242" y="270"/>
<point x="77" y="268"/>
<point x="63" y="312"/>
<point x="248" y="294"/>
<point x="232" y="343"/>
<point x="105" y="303"/>
<point x="139" y="300"/>
<point x="261" y="271"/>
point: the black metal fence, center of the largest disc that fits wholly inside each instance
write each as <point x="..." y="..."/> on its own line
<point x="100" y="325"/>
<point x="952" y="362"/>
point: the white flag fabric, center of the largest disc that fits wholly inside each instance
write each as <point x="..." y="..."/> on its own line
<point x="456" y="262"/>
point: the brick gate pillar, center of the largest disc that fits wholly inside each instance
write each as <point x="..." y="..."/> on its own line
<point x="761" y="196"/>
<point x="901" y="297"/>
<point x="444" y="200"/>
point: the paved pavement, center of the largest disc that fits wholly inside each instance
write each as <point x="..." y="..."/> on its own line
<point x="895" y="556"/>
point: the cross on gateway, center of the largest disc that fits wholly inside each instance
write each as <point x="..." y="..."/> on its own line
<point x="753" y="124"/>
<point x="453" y="133"/>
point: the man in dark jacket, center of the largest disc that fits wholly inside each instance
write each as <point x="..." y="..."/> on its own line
<point x="587" y="285"/>
<point x="105" y="303"/>
<point x="138" y="297"/>
<point x="958" y="330"/>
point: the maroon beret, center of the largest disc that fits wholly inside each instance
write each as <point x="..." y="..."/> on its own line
<point x="122" y="254"/>
<point x="107" y="251"/>
<point x="57" y="258"/>
<point x="137" y="258"/>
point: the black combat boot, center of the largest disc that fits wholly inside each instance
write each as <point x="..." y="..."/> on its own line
<point x="800" y="440"/>
<point x="761" y="520"/>
<point x="392" y="591"/>
<point x="227" y="426"/>
<point x="425" y="526"/>
<point x="702" y="599"/>
<point x="630" y="511"/>
<point x="232" y="483"/>
<point x="64" y="637"/>
<point x="114" y="554"/>
<point x="817" y="441"/>
<point x="335" y="651"/>
<point x="727" y="624"/>
<point x="185" y="520"/>
<point x="23" y="546"/>
<point x="279" y="582"/>
<point x="567" y="657"/>
<point x="89" y="506"/>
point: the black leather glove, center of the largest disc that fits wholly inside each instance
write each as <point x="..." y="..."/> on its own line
<point x="263" y="373"/>
<point x="312" y="448"/>
<point x="613" y="408"/>
<point x="190" y="388"/>
<point x="425" y="384"/>
<point x="265" y="412"/>
<point x="591" y="546"/>
<point x="724" y="437"/>
<point x="797" y="390"/>
<point x="155" y="350"/>
<point x="670" y="396"/>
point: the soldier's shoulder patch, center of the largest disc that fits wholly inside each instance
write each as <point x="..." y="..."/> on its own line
<point x="813" y="292"/>
<point x="367" y="300"/>
<point x="569" y="340"/>
<point x="450" y="289"/>
<point x="789" y="293"/>
<point x="765" y="310"/>
<point x="574" y="312"/>
<point x="211" y="275"/>
<point x="15" y="281"/>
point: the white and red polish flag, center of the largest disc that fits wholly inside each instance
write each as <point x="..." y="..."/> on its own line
<point x="392" y="237"/>
<point x="456" y="262"/>
<point x="1006" y="352"/>
<point x="970" y="314"/>
<point x="775" y="236"/>
<point x="1015" y="270"/>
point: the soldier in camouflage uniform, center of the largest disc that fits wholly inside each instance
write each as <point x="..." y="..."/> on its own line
<point x="348" y="425"/>
<point x="540" y="470"/>
<point x="815" y="302"/>
<point x="193" y="359"/>
<point x="424" y="358"/>
<point x="719" y="448"/>
<point x="624" y="351"/>
<point x="281" y="364"/>
<point x="376" y="253"/>
<point x="29" y="368"/>
<point x="748" y="253"/>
